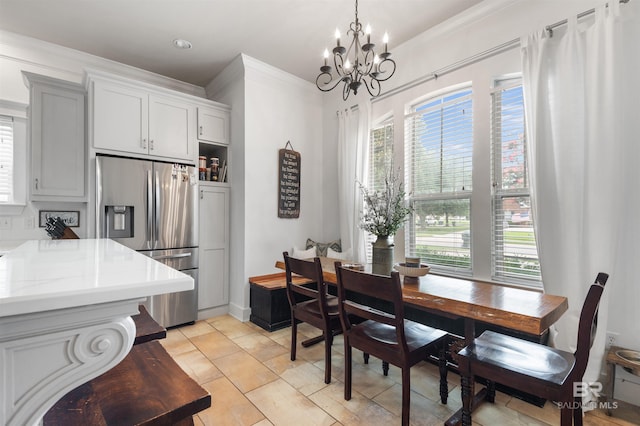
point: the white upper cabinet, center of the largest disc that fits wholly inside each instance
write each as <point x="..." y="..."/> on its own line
<point x="128" y="119"/>
<point x="213" y="125"/>
<point x="120" y="117"/>
<point x="171" y="128"/>
<point x="57" y="133"/>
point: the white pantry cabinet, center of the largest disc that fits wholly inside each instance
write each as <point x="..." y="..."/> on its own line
<point x="213" y="125"/>
<point x="213" y="283"/>
<point x="57" y="135"/>
<point x="126" y="118"/>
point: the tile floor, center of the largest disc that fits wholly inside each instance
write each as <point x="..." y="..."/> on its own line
<point x="252" y="381"/>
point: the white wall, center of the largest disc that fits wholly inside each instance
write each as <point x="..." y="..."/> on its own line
<point x="490" y="24"/>
<point x="276" y="107"/>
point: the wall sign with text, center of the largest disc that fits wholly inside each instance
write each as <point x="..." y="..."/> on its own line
<point x="288" y="183"/>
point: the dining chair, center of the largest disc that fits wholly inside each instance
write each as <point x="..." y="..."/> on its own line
<point x="531" y="367"/>
<point x="385" y="335"/>
<point x="313" y="306"/>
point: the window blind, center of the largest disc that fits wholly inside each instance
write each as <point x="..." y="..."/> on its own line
<point x="380" y="161"/>
<point x="514" y="249"/>
<point x="438" y="167"/>
<point x="6" y="159"/>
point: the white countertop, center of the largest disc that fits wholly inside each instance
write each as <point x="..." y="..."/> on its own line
<point x="43" y="275"/>
<point x="7" y="245"/>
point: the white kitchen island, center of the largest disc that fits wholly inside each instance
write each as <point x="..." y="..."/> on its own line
<point x="65" y="317"/>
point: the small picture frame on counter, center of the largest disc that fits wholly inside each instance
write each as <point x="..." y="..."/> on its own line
<point x="70" y="218"/>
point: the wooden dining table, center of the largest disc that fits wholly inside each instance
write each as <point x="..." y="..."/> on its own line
<point x="526" y="311"/>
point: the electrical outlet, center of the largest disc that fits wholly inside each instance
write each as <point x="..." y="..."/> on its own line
<point x="611" y="339"/>
<point x="29" y="222"/>
<point x="5" y="223"/>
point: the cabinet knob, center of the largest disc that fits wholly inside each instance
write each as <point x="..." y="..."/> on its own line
<point x="151" y="144"/>
<point x="144" y="144"/>
<point x="36" y="183"/>
<point x="200" y="130"/>
<point x="201" y="194"/>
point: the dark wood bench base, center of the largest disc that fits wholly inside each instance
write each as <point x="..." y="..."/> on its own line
<point x="268" y="300"/>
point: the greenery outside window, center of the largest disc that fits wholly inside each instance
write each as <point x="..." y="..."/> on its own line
<point x="514" y="252"/>
<point x="438" y="168"/>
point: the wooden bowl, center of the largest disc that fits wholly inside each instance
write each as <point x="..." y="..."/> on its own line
<point x="411" y="271"/>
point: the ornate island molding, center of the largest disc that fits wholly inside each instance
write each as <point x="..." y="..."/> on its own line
<point x="65" y="317"/>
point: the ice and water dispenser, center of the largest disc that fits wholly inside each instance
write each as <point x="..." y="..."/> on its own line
<point x="119" y="221"/>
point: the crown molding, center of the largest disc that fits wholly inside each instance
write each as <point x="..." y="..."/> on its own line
<point x="58" y="58"/>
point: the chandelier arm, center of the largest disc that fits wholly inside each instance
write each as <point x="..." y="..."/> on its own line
<point x="325" y="85"/>
<point x="373" y="87"/>
<point x="338" y="62"/>
<point x="384" y="63"/>
<point x="346" y="90"/>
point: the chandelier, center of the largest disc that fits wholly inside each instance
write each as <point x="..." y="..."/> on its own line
<point x="357" y="65"/>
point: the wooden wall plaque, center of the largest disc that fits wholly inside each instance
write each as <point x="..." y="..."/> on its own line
<point x="288" y="183"/>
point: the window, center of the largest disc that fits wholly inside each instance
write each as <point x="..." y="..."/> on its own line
<point x="438" y="154"/>
<point x="6" y="159"/>
<point x="380" y="160"/>
<point x="514" y="252"/>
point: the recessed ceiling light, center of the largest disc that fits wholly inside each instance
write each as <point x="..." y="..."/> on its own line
<point x="182" y="44"/>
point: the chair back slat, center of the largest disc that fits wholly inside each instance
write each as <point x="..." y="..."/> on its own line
<point x="367" y="312"/>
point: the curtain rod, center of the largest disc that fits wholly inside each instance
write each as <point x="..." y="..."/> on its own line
<point x="474" y="58"/>
<point x="352" y="108"/>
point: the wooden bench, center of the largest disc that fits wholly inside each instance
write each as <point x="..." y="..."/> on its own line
<point x="146" y="388"/>
<point x="268" y="300"/>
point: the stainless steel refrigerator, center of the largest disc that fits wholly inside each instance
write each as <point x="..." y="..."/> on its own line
<point x="152" y="207"/>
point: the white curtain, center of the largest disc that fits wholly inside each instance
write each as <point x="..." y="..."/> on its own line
<point x="581" y="103"/>
<point x="353" y="140"/>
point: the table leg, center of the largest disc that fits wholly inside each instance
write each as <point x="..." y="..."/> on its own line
<point x="468" y="382"/>
<point x="312" y="341"/>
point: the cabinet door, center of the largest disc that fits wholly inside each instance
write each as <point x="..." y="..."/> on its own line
<point x="57" y="143"/>
<point x="120" y="117"/>
<point x="170" y="128"/>
<point x="213" y="125"/>
<point x="213" y="287"/>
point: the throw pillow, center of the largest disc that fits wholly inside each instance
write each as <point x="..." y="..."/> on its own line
<point x="342" y="255"/>
<point x="322" y="247"/>
<point x="303" y="254"/>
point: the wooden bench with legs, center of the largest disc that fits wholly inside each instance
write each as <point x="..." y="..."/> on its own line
<point x="146" y="388"/>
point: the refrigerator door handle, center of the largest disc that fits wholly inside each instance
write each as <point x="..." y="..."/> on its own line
<point x="149" y="208"/>
<point x="157" y="221"/>
<point x="171" y="256"/>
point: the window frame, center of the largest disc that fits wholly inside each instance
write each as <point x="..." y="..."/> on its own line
<point x="18" y="111"/>
<point x="455" y="94"/>
<point x="384" y="125"/>
<point x="499" y="272"/>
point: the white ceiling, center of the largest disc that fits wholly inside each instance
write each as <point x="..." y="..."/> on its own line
<point x="288" y="34"/>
